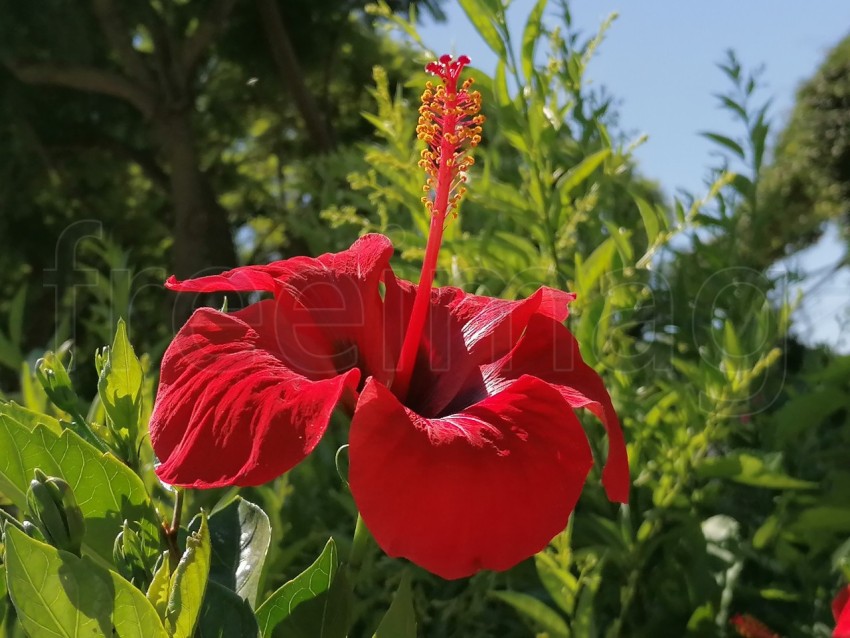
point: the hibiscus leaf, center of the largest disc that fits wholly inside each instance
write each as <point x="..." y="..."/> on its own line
<point x="225" y="615"/>
<point x="543" y="617"/>
<point x="57" y="593"/>
<point x="240" y="534"/>
<point x="400" y="619"/>
<point x="88" y="471"/>
<point x="314" y="604"/>
<point x="29" y="418"/>
<point x="188" y="584"/>
<point x="120" y="382"/>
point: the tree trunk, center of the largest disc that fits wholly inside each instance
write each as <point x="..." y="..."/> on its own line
<point x="203" y="243"/>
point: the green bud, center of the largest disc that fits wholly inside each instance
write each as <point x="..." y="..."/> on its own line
<point x="56" y="383"/>
<point x="33" y="532"/>
<point x="129" y="557"/>
<point x="55" y="513"/>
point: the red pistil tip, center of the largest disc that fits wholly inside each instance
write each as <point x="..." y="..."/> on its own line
<point x="450" y="125"/>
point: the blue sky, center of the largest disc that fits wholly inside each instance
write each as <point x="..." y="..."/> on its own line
<point x="659" y="59"/>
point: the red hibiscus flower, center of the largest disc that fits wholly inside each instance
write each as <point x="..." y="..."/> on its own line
<point x="841" y="612"/>
<point x="465" y="453"/>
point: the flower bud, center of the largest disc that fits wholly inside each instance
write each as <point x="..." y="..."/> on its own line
<point x="56" y="383"/>
<point x="55" y="513"/>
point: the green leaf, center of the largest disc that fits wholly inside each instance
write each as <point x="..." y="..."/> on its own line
<point x="484" y="20"/>
<point x="543" y="617"/>
<point x="57" y="594"/>
<point x="580" y="172"/>
<point x="400" y="619"/>
<point x="560" y="583"/>
<point x="750" y="470"/>
<point x="726" y="142"/>
<point x="731" y="344"/>
<point x="160" y="587"/>
<point x="120" y="382"/>
<point x="649" y="216"/>
<point x="225" y="615"/>
<point x="599" y="262"/>
<point x="108" y="492"/>
<point x="530" y="36"/>
<point x="300" y="607"/>
<point x="188" y="584"/>
<point x="240" y="535"/>
<point x="29" y="418"/>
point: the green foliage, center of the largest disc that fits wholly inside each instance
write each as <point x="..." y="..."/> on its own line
<point x="400" y="619"/>
<point x="736" y="434"/>
<point x="809" y="178"/>
<point x="60" y="594"/>
<point x="309" y="604"/>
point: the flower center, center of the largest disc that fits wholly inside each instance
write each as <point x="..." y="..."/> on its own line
<point x="450" y="126"/>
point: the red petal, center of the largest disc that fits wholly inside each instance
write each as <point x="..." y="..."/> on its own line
<point x="841" y="613"/>
<point x="242" y="279"/>
<point x="229" y="411"/>
<point x="550" y="352"/>
<point x="482" y="489"/>
<point x="342" y="293"/>
<point x="462" y="331"/>
<point x="336" y="293"/>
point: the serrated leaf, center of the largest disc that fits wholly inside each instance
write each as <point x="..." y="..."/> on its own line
<point x="240" y="535"/>
<point x="400" y="619"/>
<point x="29" y="418"/>
<point x="543" y="617"/>
<point x="58" y="594"/>
<point x="301" y="605"/>
<point x="188" y="584"/>
<point x="107" y="491"/>
<point x="120" y="383"/>
<point x="483" y="19"/>
<point x="225" y="615"/>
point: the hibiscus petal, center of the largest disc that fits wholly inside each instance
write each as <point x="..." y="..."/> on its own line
<point x="335" y="293"/>
<point x="550" y="352"/>
<point x="482" y="489"/>
<point x="462" y="331"/>
<point x="242" y="279"/>
<point x="342" y="293"/>
<point x="229" y="411"/>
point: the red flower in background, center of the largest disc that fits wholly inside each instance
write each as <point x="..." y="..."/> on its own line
<point x="841" y="613"/>
<point x="465" y="452"/>
<point x="748" y="626"/>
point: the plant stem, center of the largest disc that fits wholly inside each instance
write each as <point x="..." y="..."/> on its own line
<point x="171" y="531"/>
<point x="359" y="544"/>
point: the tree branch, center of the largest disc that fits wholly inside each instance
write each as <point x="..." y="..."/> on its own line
<point x="86" y="79"/>
<point x="120" y="39"/>
<point x="290" y="73"/>
<point x="198" y="43"/>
